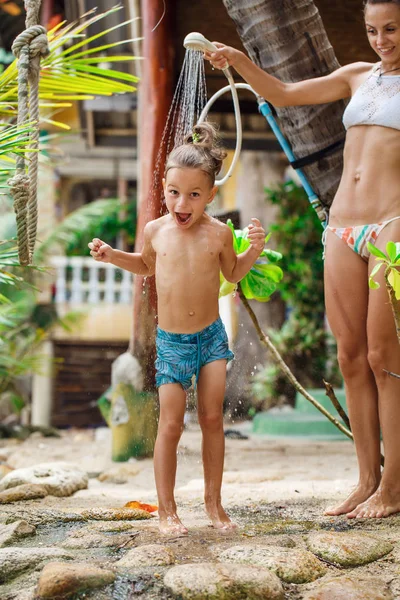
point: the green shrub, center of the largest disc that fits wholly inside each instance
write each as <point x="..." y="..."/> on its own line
<point x="303" y="341"/>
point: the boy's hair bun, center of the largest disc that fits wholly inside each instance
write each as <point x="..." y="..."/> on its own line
<point x="200" y="150"/>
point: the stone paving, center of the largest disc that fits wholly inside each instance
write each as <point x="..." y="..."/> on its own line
<point x="83" y="543"/>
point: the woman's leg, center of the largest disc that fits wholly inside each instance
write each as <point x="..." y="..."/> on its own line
<point x="346" y="298"/>
<point x="384" y="353"/>
<point x="210" y="398"/>
<point x="170" y="427"/>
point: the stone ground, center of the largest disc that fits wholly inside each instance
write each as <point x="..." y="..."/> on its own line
<point x="275" y="489"/>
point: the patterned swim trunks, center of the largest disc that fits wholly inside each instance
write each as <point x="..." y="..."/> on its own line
<point x="180" y="356"/>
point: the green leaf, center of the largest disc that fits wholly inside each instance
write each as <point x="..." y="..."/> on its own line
<point x="226" y="287"/>
<point x="391" y="250"/>
<point x="397" y="259"/>
<point x="375" y="251"/>
<point x="375" y="269"/>
<point x="67" y="73"/>
<point x="110" y="72"/>
<point x="17" y="403"/>
<point x="261" y="281"/>
<point x="394" y="280"/>
<point x="374" y="285"/>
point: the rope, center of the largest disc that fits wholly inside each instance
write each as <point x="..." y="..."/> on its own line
<point x="28" y="47"/>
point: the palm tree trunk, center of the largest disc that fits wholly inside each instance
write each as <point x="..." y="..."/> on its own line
<point x="154" y="101"/>
<point x="288" y="40"/>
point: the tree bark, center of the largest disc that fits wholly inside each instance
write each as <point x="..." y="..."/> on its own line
<point x="288" y="40"/>
<point x="155" y="95"/>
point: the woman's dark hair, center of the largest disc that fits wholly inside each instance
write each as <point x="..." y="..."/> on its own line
<point x="200" y="150"/>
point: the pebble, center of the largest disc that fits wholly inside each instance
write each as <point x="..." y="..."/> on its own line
<point x="290" y="565"/>
<point x="26" y="491"/>
<point x="350" y="549"/>
<point x="61" y="580"/>
<point x="148" y="555"/>
<point x="116" y="514"/>
<point x="15" y="531"/>
<point x="212" y="581"/>
<point x="14" y="561"/>
<point x="60" y="479"/>
<point x="351" y="588"/>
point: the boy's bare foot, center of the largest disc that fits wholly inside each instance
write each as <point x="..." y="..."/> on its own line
<point x="379" y="505"/>
<point x="172" y="525"/>
<point x="219" y="518"/>
<point x="357" y="496"/>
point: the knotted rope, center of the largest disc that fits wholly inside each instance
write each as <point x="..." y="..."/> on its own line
<point x="29" y="47"/>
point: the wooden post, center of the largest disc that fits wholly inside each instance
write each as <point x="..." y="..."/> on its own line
<point x="155" y="95"/>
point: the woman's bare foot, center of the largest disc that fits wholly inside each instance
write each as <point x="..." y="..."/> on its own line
<point x="219" y="518"/>
<point x="172" y="525"/>
<point x="381" y="504"/>
<point x="357" y="496"/>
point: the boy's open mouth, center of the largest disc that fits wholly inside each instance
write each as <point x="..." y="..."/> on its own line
<point x="183" y="218"/>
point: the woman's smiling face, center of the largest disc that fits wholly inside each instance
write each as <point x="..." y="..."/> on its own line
<point x="382" y="23"/>
<point x="187" y="193"/>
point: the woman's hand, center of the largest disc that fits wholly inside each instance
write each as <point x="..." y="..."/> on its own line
<point x="223" y="57"/>
<point x="100" y="251"/>
<point x="256" y="235"/>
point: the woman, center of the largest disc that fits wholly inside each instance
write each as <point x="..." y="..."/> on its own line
<point x="366" y="208"/>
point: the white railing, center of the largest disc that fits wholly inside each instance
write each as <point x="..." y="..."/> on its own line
<point x="81" y="280"/>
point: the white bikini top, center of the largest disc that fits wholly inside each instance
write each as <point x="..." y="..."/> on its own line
<point x="375" y="102"/>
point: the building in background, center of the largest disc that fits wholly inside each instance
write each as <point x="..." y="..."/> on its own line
<point x="101" y="157"/>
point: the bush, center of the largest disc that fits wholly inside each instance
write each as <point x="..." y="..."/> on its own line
<point x="303" y="342"/>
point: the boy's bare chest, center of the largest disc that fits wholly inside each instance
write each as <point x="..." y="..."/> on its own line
<point x="182" y="252"/>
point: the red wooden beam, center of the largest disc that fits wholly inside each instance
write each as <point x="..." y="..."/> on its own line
<point x="155" y="96"/>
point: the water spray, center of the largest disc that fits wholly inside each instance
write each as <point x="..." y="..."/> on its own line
<point x="197" y="41"/>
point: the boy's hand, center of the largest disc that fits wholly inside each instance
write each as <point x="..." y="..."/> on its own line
<point x="256" y="235"/>
<point x="100" y="251"/>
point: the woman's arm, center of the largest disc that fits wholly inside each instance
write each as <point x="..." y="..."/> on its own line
<point x="320" y="90"/>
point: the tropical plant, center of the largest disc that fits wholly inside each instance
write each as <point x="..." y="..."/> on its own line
<point x="297" y="235"/>
<point x="391" y="263"/>
<point x="24" y="326"/>
<point x="78" y="226"/>
<point x="303" y="342"/>
<point x="111" y="223"/>
<point x="302" y="346"/>
<point x="74" y="70"/>
<point x="262" y="279"/>
<point x="11" y="273"/>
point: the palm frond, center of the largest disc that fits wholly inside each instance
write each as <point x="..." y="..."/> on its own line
<point x="67" y="73"/>
<point x="11" y="272"/>
<point x="79" y="220"/>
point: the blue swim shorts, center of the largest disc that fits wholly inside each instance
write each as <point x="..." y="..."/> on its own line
<point x="181" y="355"/>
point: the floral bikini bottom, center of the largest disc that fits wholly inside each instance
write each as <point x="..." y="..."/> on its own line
<point x="357" y="237"/>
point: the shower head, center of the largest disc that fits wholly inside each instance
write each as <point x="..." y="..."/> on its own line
<point x="197" y="41"/>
